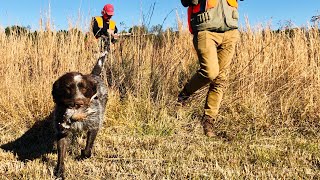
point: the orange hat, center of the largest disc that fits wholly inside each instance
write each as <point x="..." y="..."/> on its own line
<point x="108" y="10"/>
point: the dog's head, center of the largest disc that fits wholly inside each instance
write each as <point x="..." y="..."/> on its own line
<point x="74" y="90"/>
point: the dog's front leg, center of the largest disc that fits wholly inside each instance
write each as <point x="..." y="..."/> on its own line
<point x="91" y="136"/>
<point x="62" y="151"/>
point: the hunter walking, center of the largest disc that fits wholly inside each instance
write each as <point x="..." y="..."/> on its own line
<point x="214" y="25"/>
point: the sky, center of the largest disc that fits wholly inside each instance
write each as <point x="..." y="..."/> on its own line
<point x="71" y="13"/>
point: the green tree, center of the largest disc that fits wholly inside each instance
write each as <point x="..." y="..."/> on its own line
<point x="315" y="19"/>
<point x="156" y="29"/>
<point x="138" y="30"/>
<point x="16" y="29"/>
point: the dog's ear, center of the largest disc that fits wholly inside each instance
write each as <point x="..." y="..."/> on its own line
<point x="91" y="87"/>
<point x="56" y="93"/>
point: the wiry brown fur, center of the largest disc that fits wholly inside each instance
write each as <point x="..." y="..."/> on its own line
<point x="80" y="105"/>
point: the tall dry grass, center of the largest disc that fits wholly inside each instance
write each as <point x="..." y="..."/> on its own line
<point x="272" y="103"/>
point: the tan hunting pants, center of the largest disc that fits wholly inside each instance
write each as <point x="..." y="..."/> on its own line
<point x="215" y="52"/>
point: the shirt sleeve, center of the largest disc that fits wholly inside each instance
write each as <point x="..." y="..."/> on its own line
<point x="95" y="28"/>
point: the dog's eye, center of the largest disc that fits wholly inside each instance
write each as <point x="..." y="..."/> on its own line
<point x="67" y="89"/>
<point x="82" y="88"/>
<point x="81" y="85"/>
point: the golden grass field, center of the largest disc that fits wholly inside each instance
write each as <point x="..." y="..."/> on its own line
<point x="272" y="105"/>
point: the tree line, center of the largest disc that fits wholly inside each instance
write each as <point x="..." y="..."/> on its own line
<point x="155" y="30"/>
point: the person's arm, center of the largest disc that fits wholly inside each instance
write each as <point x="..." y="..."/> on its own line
<point x="115" y="35"/>
<point x="95" y="28"/>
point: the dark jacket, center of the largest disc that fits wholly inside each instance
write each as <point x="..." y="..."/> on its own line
<point x="98" y="32"/>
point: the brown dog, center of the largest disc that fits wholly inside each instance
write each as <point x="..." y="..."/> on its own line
<point x="80" y="102"/>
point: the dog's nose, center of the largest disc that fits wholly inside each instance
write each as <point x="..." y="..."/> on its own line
<point x="78" y="103"/>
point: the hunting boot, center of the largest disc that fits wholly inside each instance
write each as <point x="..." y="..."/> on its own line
<point x="207" y="123"/>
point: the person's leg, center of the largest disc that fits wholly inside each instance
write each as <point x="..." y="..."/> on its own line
<point x="205" y="43"/>
<point x="217" y="86"/>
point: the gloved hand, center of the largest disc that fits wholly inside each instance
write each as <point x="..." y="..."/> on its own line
<point x="187" y="3"/>
<point x="114" y="37"/>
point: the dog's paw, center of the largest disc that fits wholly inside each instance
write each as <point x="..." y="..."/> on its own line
<point x="85" y="154"/>
<point x="59" y="173"/>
